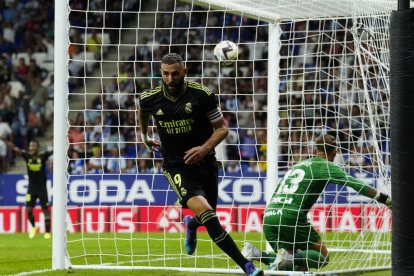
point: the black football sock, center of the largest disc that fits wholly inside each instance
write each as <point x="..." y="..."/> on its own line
<point x="30" y="216"/>
<point x="47" y="220"/>
<point x="194" y="223"/>
<point x="222" y="238"/>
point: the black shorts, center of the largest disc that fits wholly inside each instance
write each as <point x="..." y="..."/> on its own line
<point x="193" y="180"/>
<point x="37" y="193"/>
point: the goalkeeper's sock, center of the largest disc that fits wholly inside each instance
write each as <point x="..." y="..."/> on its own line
<point x="309" y="258"/>
<point x="222" y="238"/>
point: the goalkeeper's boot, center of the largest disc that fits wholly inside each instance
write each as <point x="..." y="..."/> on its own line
<point x="250" y="252"/>
<point x="190" y="241"/>
<point x="47" y="236"/>
<point x="33" y="232"/>
<point x="251" y="270"/>
<point x="283" y="261"/>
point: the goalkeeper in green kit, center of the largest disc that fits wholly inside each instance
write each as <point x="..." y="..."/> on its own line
<point x="285" y="224"/>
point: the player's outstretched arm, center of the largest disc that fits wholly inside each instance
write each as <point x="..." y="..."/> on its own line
<point x="15" y="149"/>
<point x="343" y="178"/>
<point x="378" y="196"/>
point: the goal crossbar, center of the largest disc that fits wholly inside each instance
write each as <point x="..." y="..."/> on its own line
<point x="273" y="11"/>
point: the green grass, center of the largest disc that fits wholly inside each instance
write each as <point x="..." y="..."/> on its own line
<point x="20" y="254"/>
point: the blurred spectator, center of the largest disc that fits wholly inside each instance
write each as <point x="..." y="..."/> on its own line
<point x="38" y="101"/>
<point x="143" y="166"/>
<point x="6" y="101"/>
<point x="34" y="124"/>
<point x="143" y="50"/>
<point x="49" y="84"/>
<point x="76" y="138"/>
<point x="93" y="44"/>
<point x="8" y="31"/>
<point x="157" y="168"/>
<point x="76" y="65"/>
<point x="76" y="163"/>
<point x="121" y="95"/>
<point x="131" y="166"/>
<point x="6" y="137"/>
<point x="96" y="163"/>
<point x="122" y="73"/>
<point x="38" y="45"/>
<point x="21" y="70"/>
<point x="131" y="146"/>
<point x="49" y="45"/>
<point x="20" y="124"/>
<point x="5" y="71"/>
<point x="233" y="166"/>
<point x="248" y="146"/>
<point x="251" y="166"/>
<point x="9" y="11"/>
<point x="262" y="149"/>
<point x="114" y="139"/>
<point x="93" y="131"/>
<point x="115" y="163"/>
<point x="6" y="46"/>
<point x="36" y="72"/>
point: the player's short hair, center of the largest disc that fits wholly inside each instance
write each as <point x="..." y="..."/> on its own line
<point x="172" y="58"/>
<point x="325" y="143"/>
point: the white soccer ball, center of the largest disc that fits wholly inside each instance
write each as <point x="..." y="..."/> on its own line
<point x="226" y="52"/>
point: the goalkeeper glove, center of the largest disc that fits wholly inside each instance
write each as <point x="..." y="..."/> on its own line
<point x="384" y="199"/>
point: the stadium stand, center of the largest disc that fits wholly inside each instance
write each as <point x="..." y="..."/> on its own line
<point x="26" y="84"/>
<point x="26" y="69"/>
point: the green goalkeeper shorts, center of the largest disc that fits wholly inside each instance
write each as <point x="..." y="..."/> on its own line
<point x="287" y="230"/>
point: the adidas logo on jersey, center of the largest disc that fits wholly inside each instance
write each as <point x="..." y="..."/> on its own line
<point x="159" y="112"/>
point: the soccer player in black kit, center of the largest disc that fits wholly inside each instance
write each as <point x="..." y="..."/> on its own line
<point x="36" y="170"/>
<point x="190" y="125"/>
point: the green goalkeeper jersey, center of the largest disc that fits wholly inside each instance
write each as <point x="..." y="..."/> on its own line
<point x="304" y="182"/>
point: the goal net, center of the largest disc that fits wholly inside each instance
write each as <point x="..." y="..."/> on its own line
<point x="304" y="68"/>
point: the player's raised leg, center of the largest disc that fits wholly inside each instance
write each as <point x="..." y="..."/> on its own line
<point x="224" y="241"/>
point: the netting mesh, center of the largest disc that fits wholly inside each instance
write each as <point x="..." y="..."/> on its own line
<point x="333" y="79"/>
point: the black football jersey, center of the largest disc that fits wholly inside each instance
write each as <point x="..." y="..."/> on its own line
<point x="36" y="167"/>
<point x="182" y="123"/>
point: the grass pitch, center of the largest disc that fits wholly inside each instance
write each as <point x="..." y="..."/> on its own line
<point x="23" y="256"/>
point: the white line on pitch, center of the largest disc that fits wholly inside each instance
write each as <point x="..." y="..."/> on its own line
<point x="31" y="272"/>
<point x="135" y="261"/>
<point x="163" y="259"/>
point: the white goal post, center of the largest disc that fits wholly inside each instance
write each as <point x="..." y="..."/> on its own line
<point x="304" y="68"/>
